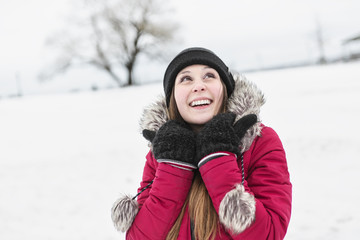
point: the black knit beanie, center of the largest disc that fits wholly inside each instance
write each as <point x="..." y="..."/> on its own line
<point x="196" y="55"/>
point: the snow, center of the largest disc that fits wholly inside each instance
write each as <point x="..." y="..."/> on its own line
<point x="65" y="158"/>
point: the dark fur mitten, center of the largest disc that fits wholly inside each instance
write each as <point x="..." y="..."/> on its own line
<point x="221" y="134"/>
<point x="173" y="141"/>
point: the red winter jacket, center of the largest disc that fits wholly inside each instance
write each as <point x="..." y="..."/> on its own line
<point x="266" y="177"/>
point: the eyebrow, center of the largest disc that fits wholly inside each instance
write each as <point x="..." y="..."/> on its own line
<point x="187" y="71"/>
<point x="184" y="72"/>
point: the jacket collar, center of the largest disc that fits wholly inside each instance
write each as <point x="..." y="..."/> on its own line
<point x="245" y="99"/>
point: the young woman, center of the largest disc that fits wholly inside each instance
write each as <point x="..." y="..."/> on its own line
<point x="213" y="170"/>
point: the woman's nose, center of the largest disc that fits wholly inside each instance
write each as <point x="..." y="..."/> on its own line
<point x="199" y="86"/>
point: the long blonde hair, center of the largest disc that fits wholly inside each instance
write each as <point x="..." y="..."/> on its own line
<point x="199" y="203"/>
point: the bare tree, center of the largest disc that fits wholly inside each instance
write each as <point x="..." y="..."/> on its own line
<point x="118" y="32"/>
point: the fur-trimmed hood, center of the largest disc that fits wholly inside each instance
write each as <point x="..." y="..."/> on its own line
<point x="245" y="99"/>
<point x="237" y="208"/>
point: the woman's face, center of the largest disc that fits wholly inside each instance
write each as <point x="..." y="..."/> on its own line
<point x="198" y="93"/>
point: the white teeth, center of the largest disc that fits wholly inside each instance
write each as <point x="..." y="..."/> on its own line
<point x="200" y="102"/>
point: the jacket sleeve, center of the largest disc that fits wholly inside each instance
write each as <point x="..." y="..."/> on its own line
<point x="267" y="179"/>
<point x="161" y="203"/>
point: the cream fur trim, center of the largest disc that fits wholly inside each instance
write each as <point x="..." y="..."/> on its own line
<point x="124" y="212"/>
<point x="237" y="210"/>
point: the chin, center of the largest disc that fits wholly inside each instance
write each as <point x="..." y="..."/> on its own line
<point x="199" y="121"/>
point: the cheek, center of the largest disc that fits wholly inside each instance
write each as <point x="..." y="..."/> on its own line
<point x="218" y="92"/>
<point x="221" y="93"/>
<point x="180" y="97"/>
<point x="219" y="96"/>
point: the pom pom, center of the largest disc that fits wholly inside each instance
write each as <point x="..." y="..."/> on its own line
<point x="123" y="212"/>
<point x="237" y="210"/>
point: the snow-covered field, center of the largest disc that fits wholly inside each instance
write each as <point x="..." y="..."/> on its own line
<point x="65" y="158"/>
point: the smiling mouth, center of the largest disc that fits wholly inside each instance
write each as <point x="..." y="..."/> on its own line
<point x="198" y="103"/>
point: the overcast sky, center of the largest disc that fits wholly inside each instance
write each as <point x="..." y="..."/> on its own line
<point x="246" y="34"/>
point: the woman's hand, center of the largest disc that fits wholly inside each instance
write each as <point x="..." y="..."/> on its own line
<point x="174" y="142"/>
<point x="220" y="134"/>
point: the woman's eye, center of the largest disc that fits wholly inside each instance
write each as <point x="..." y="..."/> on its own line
<point x="209" y="75"/>
<point x="185" y="78"/>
